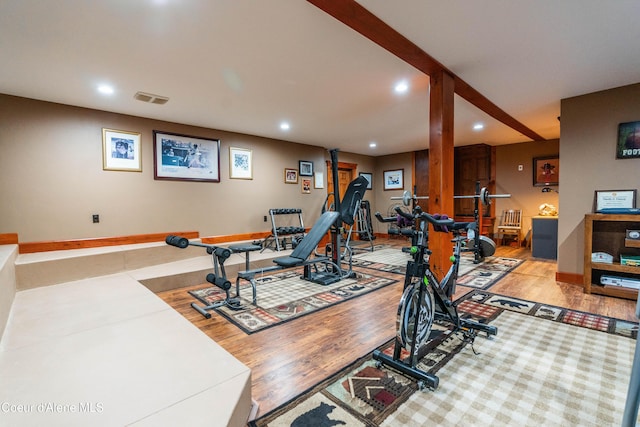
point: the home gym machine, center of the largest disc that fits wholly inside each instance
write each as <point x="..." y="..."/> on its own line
<point x="217" y="278"/>
<point x="323" y="269"/>
<point x="347" y="207"/>
<point x="481" y="246"/>
<point x="426" y="299"/>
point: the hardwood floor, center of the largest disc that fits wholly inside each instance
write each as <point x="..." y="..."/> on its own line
<point x="288" y="359"/>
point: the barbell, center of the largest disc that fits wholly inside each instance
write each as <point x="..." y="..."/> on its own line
<point x="484" y="196"/>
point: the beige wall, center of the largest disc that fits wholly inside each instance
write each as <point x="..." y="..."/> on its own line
<point x="53" y="180"/>
<point x="509" y="180"/>
<point x="588" y="162"/>
<point x="381" y="197"/>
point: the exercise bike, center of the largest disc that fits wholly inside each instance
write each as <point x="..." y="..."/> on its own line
<point x="425" y="299"/>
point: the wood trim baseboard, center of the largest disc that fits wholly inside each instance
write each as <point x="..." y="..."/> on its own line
<point x="8" y="238"/>
<point x="33" y="247"/>
<point x="572" y="278"/>
<point x="212" y="240"/>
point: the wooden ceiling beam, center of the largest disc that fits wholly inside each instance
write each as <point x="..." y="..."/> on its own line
<point x="356" y="17"/>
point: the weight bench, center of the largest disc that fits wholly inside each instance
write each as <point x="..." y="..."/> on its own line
<point x="300" y="255"/>
<point x="218" y="277"/>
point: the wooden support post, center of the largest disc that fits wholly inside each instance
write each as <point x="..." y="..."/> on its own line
<point x="441" y="166"/>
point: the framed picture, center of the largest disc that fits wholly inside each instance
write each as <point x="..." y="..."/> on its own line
<point x="546" y="171"/>
<point x="628" y="146"/>
<point x="240" y="163"/>
<point x="305" y="168"/>
<point x="394" y="179"/>
<point x="306" y="185"/>
<point x="185" y="158"/>
<point x="369" y="178"/>
<point x="614" y="199"/>
<point x="121" y="151"/>
<point x="319" y="180"/>
<point x="290" y="176"/>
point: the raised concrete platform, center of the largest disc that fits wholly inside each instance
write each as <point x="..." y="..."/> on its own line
<point x="49" y="268"/>
<point x="157" y="265"/>
<point x="105" y="350"/>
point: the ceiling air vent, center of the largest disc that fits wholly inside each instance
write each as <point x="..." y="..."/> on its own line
<point x="149" y="97"/>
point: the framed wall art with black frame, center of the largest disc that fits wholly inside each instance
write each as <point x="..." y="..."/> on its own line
<point x="305" y="168"/>
<point x="185" y="158"/>
<point x="628" y="146"/>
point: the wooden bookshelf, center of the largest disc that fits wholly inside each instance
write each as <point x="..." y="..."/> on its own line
<point x="607" y="233"/>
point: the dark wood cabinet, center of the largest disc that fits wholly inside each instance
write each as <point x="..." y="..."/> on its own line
<point x="472" y="164"/>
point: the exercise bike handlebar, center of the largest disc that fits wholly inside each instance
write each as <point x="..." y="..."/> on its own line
<point x="380" y="218"/>
<point x="447" y="224"/>
<point x="404" y="214"/>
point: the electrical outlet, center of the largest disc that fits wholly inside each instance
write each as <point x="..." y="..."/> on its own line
<point x="520" y="168"/>
<point x="265" y="218"/>
<point x="96" y="218"/>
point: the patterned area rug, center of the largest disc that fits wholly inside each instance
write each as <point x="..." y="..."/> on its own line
<point x="546" y="366"/>
<point x="479" y="276"/>
<point x="285" y="296"/>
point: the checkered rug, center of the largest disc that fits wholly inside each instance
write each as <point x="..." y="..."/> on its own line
<point x="285" y="296"/>
<point x="479" y="276"/>
<point x="546" y="366"/>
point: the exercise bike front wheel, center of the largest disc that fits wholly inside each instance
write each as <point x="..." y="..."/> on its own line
<point x="415" y="310"/>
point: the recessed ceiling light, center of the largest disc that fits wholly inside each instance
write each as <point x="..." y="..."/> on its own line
<point x="285" y="126"/>
<point x="373" y="145"/>
<point x="401" y="87"/>
<point x="105" y="89"/>
<point x="478" y="126"/>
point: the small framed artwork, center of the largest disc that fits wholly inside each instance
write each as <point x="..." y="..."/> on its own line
<point x="628" y="146"/>
<point x="121" y="151"/>
<point x="305" y="168"/>
<point x="185" y="158"/>
<point x="394" y="179"/>
<point x="319" y="180"/>
<point x="290" y="176"/>
<point x="369" y="178"/>
<point x="306" y="185"/>
<point x="240" y="163"/>
<point x="614" y="199"/>
<point x="546" y="171"/>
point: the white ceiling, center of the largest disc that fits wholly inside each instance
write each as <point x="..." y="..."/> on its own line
<point x="246" y="65"/>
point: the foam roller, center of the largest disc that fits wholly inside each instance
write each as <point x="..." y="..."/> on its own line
<point x="220" y="282"/>
<point x="177" y="241"/>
